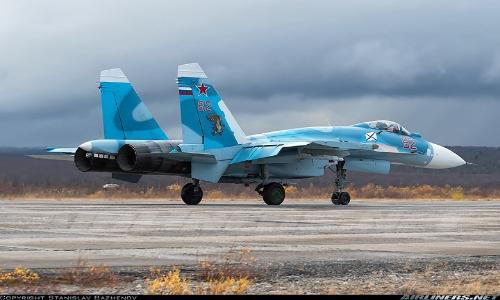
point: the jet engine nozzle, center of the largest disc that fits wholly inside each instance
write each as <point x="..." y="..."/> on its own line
<point x="83" y="161"/>
<point x="86" y="161"/>
<point x="147" y="157"/>
<point x="127" y="157"/>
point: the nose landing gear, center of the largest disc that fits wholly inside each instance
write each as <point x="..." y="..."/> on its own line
<point x="339" y="197"/>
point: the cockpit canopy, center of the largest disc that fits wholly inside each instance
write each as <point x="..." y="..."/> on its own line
<point x="385" y="126"/>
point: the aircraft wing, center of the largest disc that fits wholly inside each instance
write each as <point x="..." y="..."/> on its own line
<point x="337" y="148"/>
<point x="57" y="154"/>
<point x="254" y="152"/>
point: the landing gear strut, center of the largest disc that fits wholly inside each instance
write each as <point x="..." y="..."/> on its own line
<point x="273" y="193"/>
<point x="339" y="197"/>
<point x="192" y="193"/>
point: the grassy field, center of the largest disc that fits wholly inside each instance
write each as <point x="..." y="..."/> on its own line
<point x="369" y="191"/>
<point x="235" y="274"/>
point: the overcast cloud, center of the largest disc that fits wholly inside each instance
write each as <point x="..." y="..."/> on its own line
<point x="433" y="66"/>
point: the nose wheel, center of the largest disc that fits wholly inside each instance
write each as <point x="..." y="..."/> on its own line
<point x="192" y="193"/>
<point x="339" y="197"/>
<point x="342" y="198"/>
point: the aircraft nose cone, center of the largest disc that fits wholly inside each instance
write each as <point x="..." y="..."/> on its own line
<point x="444" y="158"/>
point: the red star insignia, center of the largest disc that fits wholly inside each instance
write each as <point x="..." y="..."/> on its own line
<point x="202" y="89"/>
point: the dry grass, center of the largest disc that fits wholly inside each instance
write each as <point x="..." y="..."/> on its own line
<point x="423" y="283"/>
<point x="88" y="275"/>
<point x="416" y="192"/>
<point x="369" y="191"/>
<point x="472" y="286"/>
<point x="72" y="280"/>
<point x="225" y="276"/>
<point x="173" y="283"/>
<point x="20" y="280"/>
<point x="18" y="276"/>
<point x="233" y="264"/>
<point x="226" y="286"/>
<point x="232" y="276"/>
<point x="432" y="280"/>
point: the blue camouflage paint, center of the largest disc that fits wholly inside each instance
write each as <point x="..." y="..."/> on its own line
<point x="390" y="144"/>
<point x="191" y="127"/>
<point x="125" y="116"/>
<point x="201" y="113"/>
<point x="216" y="146"/>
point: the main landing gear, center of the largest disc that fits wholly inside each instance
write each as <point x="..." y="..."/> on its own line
<point x="192" y="193"/>
<point x="273" y="193"/>
<point x="339" y="197"/>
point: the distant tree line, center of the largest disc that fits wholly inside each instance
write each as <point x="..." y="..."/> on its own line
<point x="21" y="175"/>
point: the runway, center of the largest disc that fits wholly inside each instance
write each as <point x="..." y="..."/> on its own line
<point x="134" y="233"/>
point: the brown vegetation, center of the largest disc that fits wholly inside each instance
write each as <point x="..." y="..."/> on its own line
<point x="369" y="191"/>
<point x="429" y="281"/>
<point x="18" y="276"/>
<point x="67" y="280"/>
<point x="173" y="283"/>
<point x="88" y="275"/>
<point x="25" y="177"/>
<point x="235" y="272"/>
<point x="234" y="264"/>
<point x="232" y="275"/>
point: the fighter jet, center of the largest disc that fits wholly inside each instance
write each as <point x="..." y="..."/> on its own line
<point x="215" y="148"/>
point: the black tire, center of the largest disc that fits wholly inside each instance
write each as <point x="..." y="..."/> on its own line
<point x="191" y="194"/>
<point x="344" y="198"/>
<point x="335" y="198"/>
<point x="273" y="194"/>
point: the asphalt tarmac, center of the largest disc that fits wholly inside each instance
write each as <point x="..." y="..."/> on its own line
<point x="139" y="233"/>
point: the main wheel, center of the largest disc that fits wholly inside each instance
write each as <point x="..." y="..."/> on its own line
<point x="191" y="194"/>
<point x="273" y="194"/>
<point x="335" y="198"/>
<point x="344" y="198"/>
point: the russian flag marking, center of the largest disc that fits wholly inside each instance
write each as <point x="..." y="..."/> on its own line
<point x="185" y="91"/>
<point x="181" y="92"/>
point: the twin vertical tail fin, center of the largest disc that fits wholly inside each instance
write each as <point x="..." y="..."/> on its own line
<point x="205" y="118"/>
<point x="125" y="116"/>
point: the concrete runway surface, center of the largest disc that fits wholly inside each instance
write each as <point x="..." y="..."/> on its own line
<point x="52" y="234"/>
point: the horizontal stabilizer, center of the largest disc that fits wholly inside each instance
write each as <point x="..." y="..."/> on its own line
<point x="67" y="157"/>
<point x="56" y="154"/>
<point x="210" y="172"/>
<point x="62" y="150"/>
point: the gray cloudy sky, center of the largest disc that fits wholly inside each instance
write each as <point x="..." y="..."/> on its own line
<point x="433" y="66"/>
